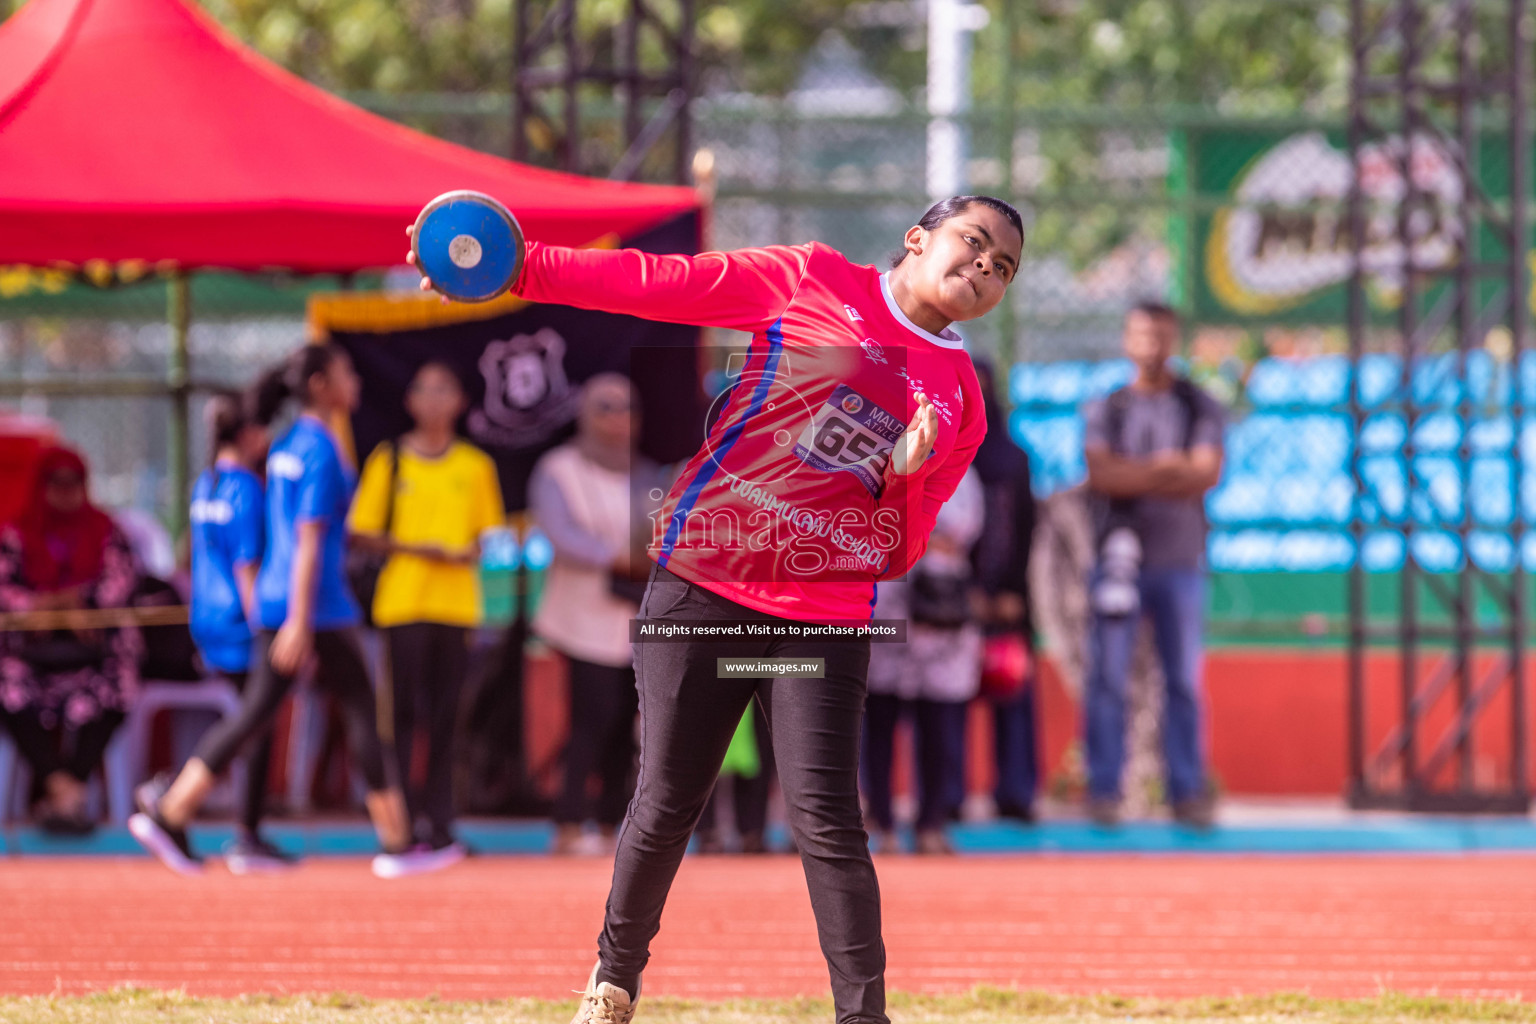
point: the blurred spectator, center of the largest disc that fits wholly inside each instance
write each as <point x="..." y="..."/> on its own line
<point x="748" y="772"/>
<point x="933" y="676"/>
<point x="1153" y="448"/>
<point x="581" y="495"/>
<point x="304" y="609"/>
<point x="228" y="537"/>
<point x="424" y="501"/>
<point x="63" y="692"/>
<point x="1001" y="564"/>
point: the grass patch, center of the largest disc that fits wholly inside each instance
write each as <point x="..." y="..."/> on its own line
<point x="980" y="1006"/>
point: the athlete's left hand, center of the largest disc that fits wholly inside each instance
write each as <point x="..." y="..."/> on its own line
<point x="410" y="257"/>
<point x="916" y="442"/>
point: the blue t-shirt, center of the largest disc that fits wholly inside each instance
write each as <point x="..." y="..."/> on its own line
<point x="307" y="481"/>
<point x="226" y="532"/>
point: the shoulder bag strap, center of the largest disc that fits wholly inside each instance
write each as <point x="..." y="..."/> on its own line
<point x="394" y="481"/>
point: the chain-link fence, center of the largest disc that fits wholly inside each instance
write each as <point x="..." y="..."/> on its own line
<point x="93" y="352"/>
<point x="105" y="384"/>
<point x="844" y="162"/>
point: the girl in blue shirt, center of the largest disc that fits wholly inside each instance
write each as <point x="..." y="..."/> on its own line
<point x="304" y="606"/>
<point x="228" y="535"/>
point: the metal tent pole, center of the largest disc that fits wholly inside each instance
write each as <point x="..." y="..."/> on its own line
<point x="179" y="456"/>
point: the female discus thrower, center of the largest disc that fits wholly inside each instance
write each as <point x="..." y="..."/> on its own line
<point x="853" y="420"/>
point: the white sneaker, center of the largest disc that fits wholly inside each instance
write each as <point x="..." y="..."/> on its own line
<point x="605" y="1003"/>
<point x="418" y="860"/>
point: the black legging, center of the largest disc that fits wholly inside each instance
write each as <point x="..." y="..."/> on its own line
<point x="688" y="714"/>
<point x="602" y="737"/>
<point x="40" y="745"/>
<point x="342" y="672"/>
<point x="257" y="767"/>
<point x="427" y="662"/>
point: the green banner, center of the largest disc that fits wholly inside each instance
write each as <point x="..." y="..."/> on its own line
<point x="1264" y="232"/>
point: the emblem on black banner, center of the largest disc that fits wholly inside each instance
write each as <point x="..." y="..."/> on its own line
<point x="527" y="395"/>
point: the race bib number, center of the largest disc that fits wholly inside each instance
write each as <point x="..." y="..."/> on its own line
<point x="850" y="434"/>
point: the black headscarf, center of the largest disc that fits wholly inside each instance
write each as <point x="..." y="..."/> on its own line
<point x="1000" y="558"/>
<point x="999" y="459"/>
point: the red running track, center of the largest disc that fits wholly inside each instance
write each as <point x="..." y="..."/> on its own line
<point x="1164" y="926"/>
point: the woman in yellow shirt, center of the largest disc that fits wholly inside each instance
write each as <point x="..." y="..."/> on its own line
<point x="445" y="495"/>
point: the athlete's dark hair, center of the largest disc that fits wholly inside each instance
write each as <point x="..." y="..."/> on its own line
<point x="229" y="412"/>
<point x="954" y="206"/>
<point x="289" y="379"/>
<point x="1155" y="309"/>
<point x="225" y="415"/>
<point x="440" y="367"/>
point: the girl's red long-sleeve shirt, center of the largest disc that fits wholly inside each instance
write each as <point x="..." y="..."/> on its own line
<point x="790" y="506"/>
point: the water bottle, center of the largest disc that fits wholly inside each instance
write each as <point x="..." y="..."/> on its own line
<point x="499" y="556"/>
<point x="538" y="552"/>
<point x="1117" y="592"/>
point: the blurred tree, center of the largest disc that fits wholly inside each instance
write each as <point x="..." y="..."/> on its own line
<point x="382" y="45"/>
<point x="1234" y="56"/>
<point x="1230" y="56"/>
<point x="1114" y="57"/>
<point x="1128" y="63"/>
<point x="399" y="46"/>
<point x="463" y="45"/>
<point x="759" y="45"/>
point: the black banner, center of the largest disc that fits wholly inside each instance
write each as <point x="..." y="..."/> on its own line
<point x="521" y="373"/>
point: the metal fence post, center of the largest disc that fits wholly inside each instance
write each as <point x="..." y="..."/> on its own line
<point x="178" y="384"/>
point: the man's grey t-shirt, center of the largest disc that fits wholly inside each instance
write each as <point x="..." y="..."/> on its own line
<point x="1172" y="530"/>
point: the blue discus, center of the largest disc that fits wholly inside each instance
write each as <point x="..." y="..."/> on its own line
<point x="469" y="245"/>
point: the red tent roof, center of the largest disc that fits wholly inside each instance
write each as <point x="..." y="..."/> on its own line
<point x="140" y="129"/>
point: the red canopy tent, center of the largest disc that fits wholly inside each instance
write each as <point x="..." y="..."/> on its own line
<point x="141" y="130"/>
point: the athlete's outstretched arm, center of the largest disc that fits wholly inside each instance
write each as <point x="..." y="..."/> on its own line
<point x="744" y="290"/>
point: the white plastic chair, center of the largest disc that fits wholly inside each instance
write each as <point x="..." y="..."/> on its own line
<point x="306" y="733"/>
<point x="306" y="740"/>
<point x="306" y="729"/>
<point x="10" y="764"/>
<point x="127" y="755"/>
<point x="123" y="764"/>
